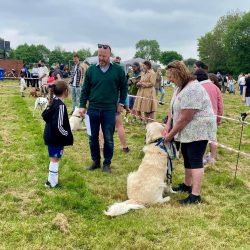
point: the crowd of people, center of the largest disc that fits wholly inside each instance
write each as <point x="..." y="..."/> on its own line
<point x="103" y="90"/>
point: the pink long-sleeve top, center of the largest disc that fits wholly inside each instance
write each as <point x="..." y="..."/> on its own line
<point x="215" y="97"/>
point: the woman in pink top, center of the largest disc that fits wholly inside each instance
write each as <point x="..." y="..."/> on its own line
<point x="51" y="78"/>
<point x="217" y="103"/>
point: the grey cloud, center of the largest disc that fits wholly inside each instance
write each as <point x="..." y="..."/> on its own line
<point x="176" y="24"/>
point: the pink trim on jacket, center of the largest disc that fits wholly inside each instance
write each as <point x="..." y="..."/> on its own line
<point x="215" y="97"/>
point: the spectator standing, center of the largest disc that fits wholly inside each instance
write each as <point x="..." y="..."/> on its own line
<point x="118" y="119"/>
<point x="35" y="75"/>
<point x="200" y="65"/>
<point x="217" y="103"/>
<point x="191" y="122"/>
<point x="219" y="79"/>
<point x="66" y="71"/>
<point x="43" y="77"/>
<point x="76" y="82"/>
<point x="246" y="91"/>
<point x="159" y="86"/>
<point x="57" y="132"/>
<point x="214" y="79"/>
<point x="51" y="78"/>
<point x="241" y="82"/>
<point x="58" y="75"/>
<point x="230" y="83"/>
<point x="224" y="84"/>
<point x="146" y="100"/>
<point x="132" y="87"/>
<point x="105" y="90"/>
<point x="26" y="74"/>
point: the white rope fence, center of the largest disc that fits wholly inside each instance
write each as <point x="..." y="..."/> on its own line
<point x="223" y="117"/>
<point x="210" y="142"/>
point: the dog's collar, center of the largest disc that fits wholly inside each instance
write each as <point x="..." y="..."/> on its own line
<point x="160" y="143"/>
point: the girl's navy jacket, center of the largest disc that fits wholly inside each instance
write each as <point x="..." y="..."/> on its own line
<point x="57" y="130"/>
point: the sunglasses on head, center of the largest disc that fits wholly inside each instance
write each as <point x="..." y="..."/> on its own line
<point x="104" y="46"/>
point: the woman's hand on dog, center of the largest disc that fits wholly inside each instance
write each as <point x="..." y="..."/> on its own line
<point x="166" y="133"/>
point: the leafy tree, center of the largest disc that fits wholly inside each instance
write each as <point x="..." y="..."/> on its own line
<point x="30" y="53"/>
<point x="169" y="56"/>
<point x="84" y="53"/>
<point x="56" y="56"/>
<point x="211" y="46"/>
<point x="95" y="53"/>
<point x="190" y="62"/>
<point x="148" y="49"/>
<point x="237" y="45"/>
<point x="23" y="52"/>
<point x="43" y="51"/>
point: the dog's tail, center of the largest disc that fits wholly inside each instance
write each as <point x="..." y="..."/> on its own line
<point x="122" y="208"/>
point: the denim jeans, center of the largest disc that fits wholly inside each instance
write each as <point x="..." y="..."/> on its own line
<point x="241" y="89"/>
<point x="75" y="93"/>
<point x="231" y="88"/>
<point x="162" y="91"/>
<point x="105" y="119"/>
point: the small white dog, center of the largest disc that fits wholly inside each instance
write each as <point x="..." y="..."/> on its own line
<point x="76" y="121"/>
<point x="41" y="102"/>
<point x="147" y="185"/>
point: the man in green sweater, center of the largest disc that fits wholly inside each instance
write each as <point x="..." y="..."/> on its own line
<point x="105" y="91"/>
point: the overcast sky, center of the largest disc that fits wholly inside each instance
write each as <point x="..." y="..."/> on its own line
<point x="75" y="24"/>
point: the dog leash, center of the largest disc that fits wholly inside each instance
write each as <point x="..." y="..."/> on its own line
<point x="160" y="143"/>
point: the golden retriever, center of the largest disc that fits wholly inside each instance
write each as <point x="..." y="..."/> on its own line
<point x="147" y="185"/>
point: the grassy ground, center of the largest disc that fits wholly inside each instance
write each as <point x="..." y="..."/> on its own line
<point x="27" y="209"/>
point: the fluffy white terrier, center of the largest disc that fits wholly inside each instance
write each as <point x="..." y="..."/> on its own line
<point x="75" y="121"/>
<point x="42" y="103"/>
<point x="147" y="185"/>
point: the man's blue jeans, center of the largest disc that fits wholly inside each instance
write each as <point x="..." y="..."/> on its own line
<point x="105" y="119"/>
<point x="241" y="89"/>
<point x="75" y="93"/>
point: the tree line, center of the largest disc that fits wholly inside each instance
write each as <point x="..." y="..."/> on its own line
<point x="226" y="48"/>
<point x="32" y="53"/>
<point x="147" y="49"/>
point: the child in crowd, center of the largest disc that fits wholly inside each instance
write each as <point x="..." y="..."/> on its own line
<point x="23" y="85"/>
<point x="51" y="78"/>
<point x="57" y="132"/>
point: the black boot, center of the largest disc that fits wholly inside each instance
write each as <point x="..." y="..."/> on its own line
<point x="106" y="168"/>
<point x="183" y="188"/>
<point x="94" y="166"/>
<point x="243" y="116"/>
<point x="191" y="199"/>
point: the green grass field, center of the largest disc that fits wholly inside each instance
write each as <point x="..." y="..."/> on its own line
<point x="27" y="208"/>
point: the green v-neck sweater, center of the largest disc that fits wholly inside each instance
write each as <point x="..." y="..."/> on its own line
<point x="104" y="90"/>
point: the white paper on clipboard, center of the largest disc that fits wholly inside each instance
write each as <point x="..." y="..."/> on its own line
<point x="87" y="124"/>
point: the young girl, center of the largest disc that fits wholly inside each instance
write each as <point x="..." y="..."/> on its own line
<point x="57" y="132"/>
<point x="23" y="85"/>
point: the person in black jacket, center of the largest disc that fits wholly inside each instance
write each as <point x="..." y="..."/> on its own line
<point x="57" y="132"/>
